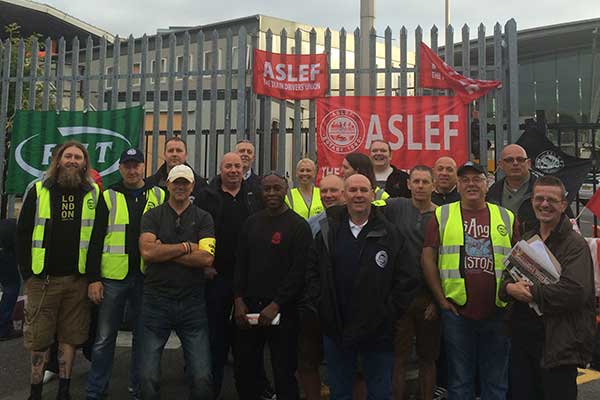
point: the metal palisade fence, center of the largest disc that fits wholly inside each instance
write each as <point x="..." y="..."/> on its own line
<point x="198" y="84"/>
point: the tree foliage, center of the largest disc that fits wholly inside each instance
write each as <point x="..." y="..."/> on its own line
<point x="15" y="38"/>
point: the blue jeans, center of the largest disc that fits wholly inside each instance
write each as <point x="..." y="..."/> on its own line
<point x="110" y="317"/>
<point x="187" y="317"/>
<point x="10" y="293"/>
<point x="471" y="344"/>
<point x="341" y="371"/>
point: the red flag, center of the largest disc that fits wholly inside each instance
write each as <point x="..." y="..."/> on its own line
<point x="290" y="76"/>
<point x="593" y="204"/>
<point x="436" y="74"/>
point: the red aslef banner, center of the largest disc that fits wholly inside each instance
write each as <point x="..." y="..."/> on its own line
<point x="436" y="74"/>
<point x="290" y="76"/>
<point x="419" y="129"/>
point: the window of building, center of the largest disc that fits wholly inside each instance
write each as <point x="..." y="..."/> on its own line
<point x="163" y="68"/>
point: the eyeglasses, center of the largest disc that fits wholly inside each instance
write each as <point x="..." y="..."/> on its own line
<point x="550" y="200"/>
<point x="519" y="160"/>
<point x="476" y="180"/>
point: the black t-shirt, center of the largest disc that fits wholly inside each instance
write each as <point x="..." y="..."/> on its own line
<point x="271" y="259"/>
<point x="63" y="244"/>
<point x="170" y="278"/>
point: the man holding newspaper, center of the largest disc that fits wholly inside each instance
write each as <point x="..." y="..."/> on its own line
<point x="550" y="280"/>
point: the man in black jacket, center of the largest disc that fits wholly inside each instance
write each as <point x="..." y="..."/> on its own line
<point x="359" y="281"/>
<point x="245" y="149"/>
<point x="514" y="190"/>
<point x="388" y="177"/>
<point x="230" y="203"/>
<point x="115" y="272"/>
<point x="175" y="154"/>
<point x="268" y="279"/>
<point x="444" y="174"/>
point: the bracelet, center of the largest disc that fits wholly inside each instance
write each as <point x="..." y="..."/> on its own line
<point x="186" y="249"/>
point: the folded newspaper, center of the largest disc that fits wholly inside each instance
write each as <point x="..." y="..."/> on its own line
<point x="531" y="261"/>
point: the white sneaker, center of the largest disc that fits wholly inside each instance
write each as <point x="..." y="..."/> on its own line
<point x="48" y="376"/>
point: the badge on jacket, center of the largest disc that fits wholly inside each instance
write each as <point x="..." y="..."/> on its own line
<point x="381" y="258"/>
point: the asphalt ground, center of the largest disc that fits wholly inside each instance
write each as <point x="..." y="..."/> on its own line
<point x="14" y="375"/>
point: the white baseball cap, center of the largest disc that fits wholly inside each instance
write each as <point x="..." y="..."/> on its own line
<point x="181" y="171"/>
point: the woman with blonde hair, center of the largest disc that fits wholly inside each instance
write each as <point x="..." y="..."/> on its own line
<point x="305" y="199"/>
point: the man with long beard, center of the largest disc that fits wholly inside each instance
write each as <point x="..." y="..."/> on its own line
<point x="53" y="234"/>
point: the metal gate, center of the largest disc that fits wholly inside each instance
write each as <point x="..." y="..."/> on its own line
<point x="198" y="83"/>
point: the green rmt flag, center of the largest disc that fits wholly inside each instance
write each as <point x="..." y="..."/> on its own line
<point x="105" y="134"/>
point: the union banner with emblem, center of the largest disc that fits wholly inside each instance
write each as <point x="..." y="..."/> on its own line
<point x="419" y="129"/>
<point x="106" y="134"/>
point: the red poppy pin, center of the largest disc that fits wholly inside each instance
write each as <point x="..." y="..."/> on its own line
<point x="276" y="238"/>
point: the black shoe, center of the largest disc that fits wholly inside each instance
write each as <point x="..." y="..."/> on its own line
<point x="12" y="334"/>
<point x="268" y="394"/>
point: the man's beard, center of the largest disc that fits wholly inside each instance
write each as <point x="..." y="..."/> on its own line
<point x="70" y="178"/>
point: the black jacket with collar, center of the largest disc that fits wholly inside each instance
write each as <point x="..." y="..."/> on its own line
<point x="381" y="295"/>
<point x="160" y="179"/>
<point x="525" y="214"/>
<point x="209" y="198"/>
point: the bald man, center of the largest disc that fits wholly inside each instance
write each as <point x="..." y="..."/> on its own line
<point x="514" y="190"/>
<point x="230" y="202"/>
<point x="444" y="174"/>
<point x="332" y="194"/>
<point x="359" y="281"/>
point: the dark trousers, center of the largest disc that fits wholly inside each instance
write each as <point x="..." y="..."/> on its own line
<point x="529" y="381"/>
<point x="249" y="358"/>
<point x="219" y="303"/>
<point x="11" y="284"/>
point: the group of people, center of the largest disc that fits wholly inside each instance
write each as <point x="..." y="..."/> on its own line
<point x="348" y="272"/>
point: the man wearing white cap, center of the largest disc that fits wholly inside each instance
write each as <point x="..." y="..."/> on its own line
<point x="177" y="243"/>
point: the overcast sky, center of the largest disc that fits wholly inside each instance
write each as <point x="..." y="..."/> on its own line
<point x="126" y="17"/>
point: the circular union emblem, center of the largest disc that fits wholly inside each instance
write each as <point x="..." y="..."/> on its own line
<point x="151" y="205"/>
<point x="549" y="162"/>
<point x="342" y="131"/>
<point x="381" y="258"/>
<point x="501" y="230"/>
<point x="90" y="204"/>
<point x="131" y="152"/>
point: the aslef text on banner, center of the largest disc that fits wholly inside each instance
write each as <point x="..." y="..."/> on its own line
<point x="290" y="76"/>
<point x="419" y="129"/>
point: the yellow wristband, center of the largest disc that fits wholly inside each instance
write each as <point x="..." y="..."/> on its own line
<point x="208" y="245"/>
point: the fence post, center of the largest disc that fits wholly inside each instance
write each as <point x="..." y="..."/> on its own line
<point x="510" y="31"/>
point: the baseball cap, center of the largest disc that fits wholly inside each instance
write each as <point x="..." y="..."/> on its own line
<point x="469" y="165"/>
<point x="181" y="171"/>
<point x="131" y="154"/>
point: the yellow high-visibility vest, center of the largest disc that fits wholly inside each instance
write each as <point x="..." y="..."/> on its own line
<point x="115" y="262"/>
<point x="42" y="215"/>
<point x="296" y="202"/>
<point x="380" y="197"/>
<point x="452" y="238"/>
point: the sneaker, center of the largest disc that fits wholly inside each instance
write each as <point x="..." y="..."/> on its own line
<point x="49" y="375"/>
<point x="12" y="334"/>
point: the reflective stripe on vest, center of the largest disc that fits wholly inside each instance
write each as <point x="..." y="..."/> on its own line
<point x="452" y="238"/>
<point x="115" y="261"/>
<point x="296" y="202"/>
<point x="380" y="197"/>
<point x="43" y="214"/>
